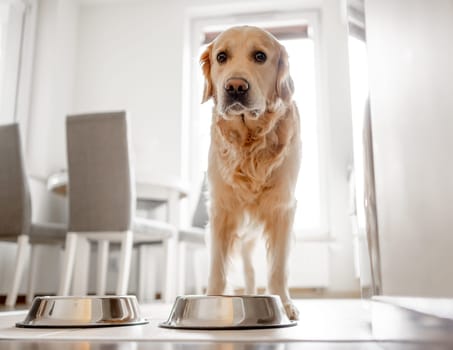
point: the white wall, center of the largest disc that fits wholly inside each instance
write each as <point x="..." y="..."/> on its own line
<point x="411" y="80"/>
<point x="11" y="14"/>
<point x="129" y="57"/>
<point x="52" y="87"/>
<point x="51" y="99"/>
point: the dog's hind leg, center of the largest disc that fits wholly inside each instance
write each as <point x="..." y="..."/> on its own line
<point x="247" y="249"/>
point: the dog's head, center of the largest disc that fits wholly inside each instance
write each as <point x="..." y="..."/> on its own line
<point x="246" y="72"/>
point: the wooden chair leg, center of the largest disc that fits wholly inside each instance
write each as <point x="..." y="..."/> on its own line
<point x="81" y="267"/>
<point x="169" y="278"/>
<point x="21" y="257"/>
<point x="68" y="264"/>
<point x="182" y="271"/>
<point x="33" y="271"/>
<point x="141" y="272"/>
<point x="103" y="255"/>
<point x="199" y="268"/>
<point x="125" y="263"/>
<point x="147" y="272"/>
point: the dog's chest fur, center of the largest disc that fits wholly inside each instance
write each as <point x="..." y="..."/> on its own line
<point x="249" y="152"/>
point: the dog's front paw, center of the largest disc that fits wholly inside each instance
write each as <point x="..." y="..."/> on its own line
<point x="291" y="310"/>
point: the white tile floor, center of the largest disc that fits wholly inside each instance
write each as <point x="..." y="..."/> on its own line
<point x="320" y="320"/>
<point x="324" y="324"/>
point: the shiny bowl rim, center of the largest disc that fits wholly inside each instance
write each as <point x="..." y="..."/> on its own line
<point x="26" y="324"/>
<point x="168" y="324"/>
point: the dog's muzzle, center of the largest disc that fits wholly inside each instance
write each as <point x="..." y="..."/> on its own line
<point x="236" y="94"/>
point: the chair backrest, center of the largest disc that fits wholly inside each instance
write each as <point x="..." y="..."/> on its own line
<point x="200" y="216"/>
<point x="101" y="181"/>
<point x="15" y="206"/>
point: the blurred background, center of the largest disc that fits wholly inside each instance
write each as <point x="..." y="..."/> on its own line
<point x="373" y="84"/>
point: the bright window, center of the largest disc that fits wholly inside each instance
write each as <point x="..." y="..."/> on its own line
<point x="302" y="68"/>
<point x="301" y="51"/>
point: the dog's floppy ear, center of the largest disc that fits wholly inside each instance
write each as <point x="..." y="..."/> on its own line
<point x="285" y="85"/>
<point x="205" y="61"/>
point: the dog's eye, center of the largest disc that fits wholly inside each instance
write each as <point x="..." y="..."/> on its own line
<point x="260" y="57"/>
<point x="221" y="57"/>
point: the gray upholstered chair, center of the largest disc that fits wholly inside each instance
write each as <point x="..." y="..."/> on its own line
<point x="194" y="237"/>
<point x="102" y="196"/>
<point x="15" y="212"/>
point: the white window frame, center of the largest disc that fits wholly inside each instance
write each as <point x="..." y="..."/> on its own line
<point x="199" y="18"/>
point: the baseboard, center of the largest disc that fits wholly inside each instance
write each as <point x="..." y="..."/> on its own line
<point x="318" y="293"/>
<point x="296" y="293"/>
<point x="20" y="299"/>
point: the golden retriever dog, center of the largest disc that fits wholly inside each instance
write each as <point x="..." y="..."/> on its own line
<point x="254" y="156"/>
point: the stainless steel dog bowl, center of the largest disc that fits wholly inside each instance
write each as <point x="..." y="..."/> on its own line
<point x="90" y="311"/>
<point x="227" y="312"/>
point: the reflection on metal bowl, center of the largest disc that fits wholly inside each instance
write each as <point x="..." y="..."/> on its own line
<point x="227" y="312"/>
<point x="82" y="312"/>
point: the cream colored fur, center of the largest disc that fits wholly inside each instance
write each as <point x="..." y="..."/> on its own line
<point x="254" y="156"/>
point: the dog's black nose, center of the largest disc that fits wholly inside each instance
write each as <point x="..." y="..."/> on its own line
<point x="236" y="87"/>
